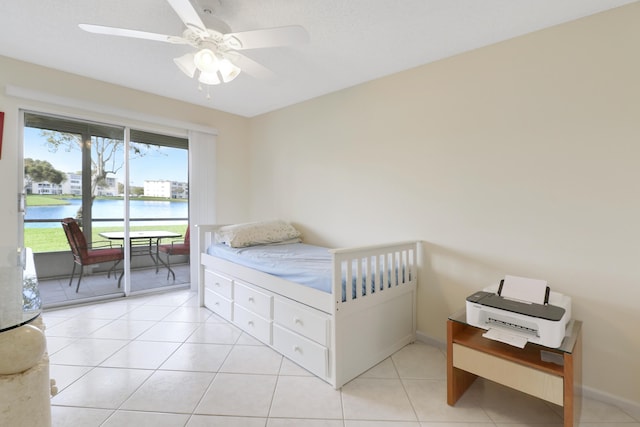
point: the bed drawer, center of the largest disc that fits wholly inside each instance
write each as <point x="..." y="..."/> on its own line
<point x="253" y="324"/>
<point x="219" y="284"/>
<point x="306" y="353"/>
<point x="303" y="320"/>
<point x="218" y="304"/>
<point x="253" y="300"/>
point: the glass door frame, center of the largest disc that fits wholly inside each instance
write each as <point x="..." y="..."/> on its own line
<point x="86" y="160"/>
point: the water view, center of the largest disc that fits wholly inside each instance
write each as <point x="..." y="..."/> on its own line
<point x="110" y="209"/>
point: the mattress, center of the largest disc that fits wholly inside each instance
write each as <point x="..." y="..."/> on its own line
<point x="308" y="265"/>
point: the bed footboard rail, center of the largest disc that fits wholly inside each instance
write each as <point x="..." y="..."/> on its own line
<point x="372" y="271"/>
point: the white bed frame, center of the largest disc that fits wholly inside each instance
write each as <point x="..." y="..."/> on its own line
<point x="333" y="339"/>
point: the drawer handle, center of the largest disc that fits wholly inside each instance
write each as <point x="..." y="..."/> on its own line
<point x="250" y="323"/>
<point x="250" y="299"/>
<point x="297" y="321"/>
<point x="297" y="349"/>
<point x="216" y="303"/>
<point x="217" y="284"/>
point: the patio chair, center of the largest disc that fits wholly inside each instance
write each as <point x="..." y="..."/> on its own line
<point x="85" y="255"/>
<point x="175" y="248"/>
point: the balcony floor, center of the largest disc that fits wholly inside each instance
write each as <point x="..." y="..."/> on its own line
<point x="57" y="292"/>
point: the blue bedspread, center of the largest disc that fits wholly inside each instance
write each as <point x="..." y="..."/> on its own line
<point x="301" y="263"/>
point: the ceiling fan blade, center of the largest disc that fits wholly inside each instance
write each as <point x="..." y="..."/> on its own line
<point x="112" y="31"/>
<point x="188" y="14"/>
<point x="269" y="37"/>
<point x="251" y="67"/>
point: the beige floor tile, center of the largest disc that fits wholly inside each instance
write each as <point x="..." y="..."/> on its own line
<point x="110" y="310"/>
<point x="300" y="422"/>
<point x="76" y="327"/>
<point x="62" y="416"/>
<point x="455" y="424"/>
<point x="148" y="312"/>
<point x="593" y="411"/>
<point x="103" y="388"/>
<point x="65" y="375"/>
<point x="305" y="397"/>
<point x="197" y="357"/>
<point x="87" y="352"/>
<point x="238" y="395"/>
<point x="223" y="421"/>
<point x="246" y="339"/>
<point x="188" y="314"/>
<point x="252" y="359"/>
<point x="215" y="333"/>
<point x="429" y="398"/>
<point x="141" y="355"/>
<point x="170" y="391"/>
<point x="289" y="368"/>
<point x="384" y="369"/>
<point x="145" y="419"/>
<point x="360" y="423"/>
<point x="169" y="331"/>
<point x="55" y="344"/>
<point x="421" y="361"/>
<point x="376" y="399"/>
<point x="123" y="329"/>
<point x="53" y="318"/>
<point x="171" y="299"/>
<point x="504" y="405"/>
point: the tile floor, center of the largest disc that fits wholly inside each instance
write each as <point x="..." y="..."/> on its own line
<point x="160" y="360"/>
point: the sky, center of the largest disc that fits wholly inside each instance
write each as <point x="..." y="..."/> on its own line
<point x="167" y="164"/>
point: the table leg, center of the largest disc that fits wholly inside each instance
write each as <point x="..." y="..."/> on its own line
<point x="458" y="381"/>
<point x="572" y="382"/>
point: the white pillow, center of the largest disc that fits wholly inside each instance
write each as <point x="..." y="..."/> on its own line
<point x="256" y="233"/>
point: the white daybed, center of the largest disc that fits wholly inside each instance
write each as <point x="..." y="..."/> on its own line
<point x="335" y="335"/>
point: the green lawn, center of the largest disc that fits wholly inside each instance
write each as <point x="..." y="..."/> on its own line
<point x="53" y="239"/>
<point x="44" y="200"/>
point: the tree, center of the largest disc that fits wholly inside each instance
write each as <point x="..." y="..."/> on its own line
<point x="104" y="158"/>
<point x="137" y="191"/>
<point x="42" y="171"/>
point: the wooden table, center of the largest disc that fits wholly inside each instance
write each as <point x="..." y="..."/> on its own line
<point x="470" y="355"/>
<point x="144" y="242"/>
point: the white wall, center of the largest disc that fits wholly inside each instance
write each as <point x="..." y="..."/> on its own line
<point x="520" y="158"/>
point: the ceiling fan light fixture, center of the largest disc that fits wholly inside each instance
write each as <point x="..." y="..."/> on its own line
<point x="228" y="70"/>
<point x="186" y="64"/>
<point x="209" y="78"/>
<point x="205" y="60"/>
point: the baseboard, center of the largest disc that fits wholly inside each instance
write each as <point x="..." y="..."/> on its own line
<point x="630" y="407"/>
<point x="427" y="339"/>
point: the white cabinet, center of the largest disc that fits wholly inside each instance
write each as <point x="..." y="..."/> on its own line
<point x="218" y="294"/>
<point x="305" y="352"/>
<point x="297" y="331"/>
<point x="302" y="320"/>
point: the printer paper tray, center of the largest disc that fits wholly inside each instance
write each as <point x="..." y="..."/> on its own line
<point x="501" y="335"/>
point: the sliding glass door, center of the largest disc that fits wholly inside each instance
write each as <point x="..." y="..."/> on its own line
<point x="158" y="209"/>
<point x="136" y="201"/>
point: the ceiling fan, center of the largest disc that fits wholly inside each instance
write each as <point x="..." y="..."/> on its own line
<point x="216" y="58"/>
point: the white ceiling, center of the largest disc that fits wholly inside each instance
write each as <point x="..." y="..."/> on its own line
<point x="352" y="41"/>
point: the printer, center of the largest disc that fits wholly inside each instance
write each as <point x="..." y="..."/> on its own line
<point x="520" y="310"/>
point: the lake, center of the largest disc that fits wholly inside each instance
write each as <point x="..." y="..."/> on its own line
<point x="109" y="209"/>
